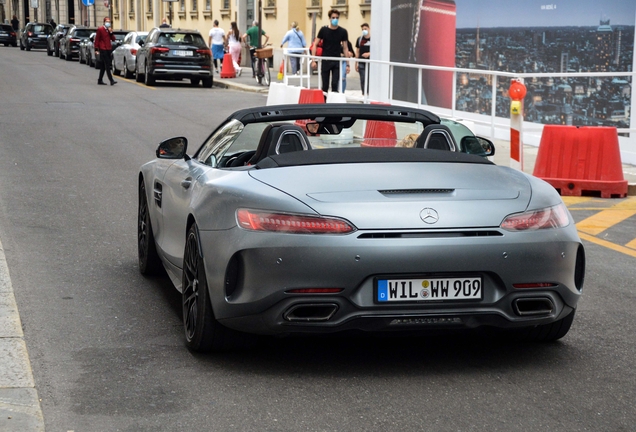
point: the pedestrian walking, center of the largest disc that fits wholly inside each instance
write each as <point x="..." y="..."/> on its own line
<point x="333" y="39"/>
<point x="234" y="46"/>
<point x="296" y="45"/>
<point x="103" y="38"/>
<point x="15" y="23"/>
<point x="164" y="24"/>
<point x="216" y="40"/>
<point x="251" y="37"/>
<point x="363" y="51"/>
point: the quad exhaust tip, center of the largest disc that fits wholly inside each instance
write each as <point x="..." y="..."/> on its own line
<point x="533" y="306"/>
<point x="314" y="312"/>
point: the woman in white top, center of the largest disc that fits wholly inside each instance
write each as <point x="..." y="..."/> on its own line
<point x="234" y="45"/>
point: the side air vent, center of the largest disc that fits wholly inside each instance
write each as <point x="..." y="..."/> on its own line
<point x="415" y="191"/>
<point x="436" y="234"/>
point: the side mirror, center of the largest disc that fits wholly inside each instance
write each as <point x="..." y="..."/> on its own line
<point x="478" y="146"/>
<point x="173" y="148"/>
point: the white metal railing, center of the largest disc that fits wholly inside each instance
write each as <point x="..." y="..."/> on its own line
<point x="304" y="80"/>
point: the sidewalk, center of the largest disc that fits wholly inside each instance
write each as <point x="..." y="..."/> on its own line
<point x="245" y="82"/>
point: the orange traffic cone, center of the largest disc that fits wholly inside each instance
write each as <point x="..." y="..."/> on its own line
<point x="227" y="68"/>
<point x="282" y="68"/>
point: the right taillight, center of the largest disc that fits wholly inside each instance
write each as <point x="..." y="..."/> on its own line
<point x="545" y="218"/>
<point x="133" y="51"/>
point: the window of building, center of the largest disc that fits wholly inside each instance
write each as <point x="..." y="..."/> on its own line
<point x="149" y="6"/>
<point x="182" y="5"/>
<point x="194" y="5"/>
<point x="226" y="4"/>
<point x="132" y="6"/>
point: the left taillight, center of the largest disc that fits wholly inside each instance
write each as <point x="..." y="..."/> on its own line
<point x="257" y="220"/>
<point x="158" y="50"/>
<point x="133" y="51"/>
<point x="545" y="218"/>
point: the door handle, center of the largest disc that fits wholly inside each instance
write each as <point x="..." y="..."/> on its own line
<point x="186" y="183"/>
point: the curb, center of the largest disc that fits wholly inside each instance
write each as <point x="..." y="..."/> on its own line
<point x="20" y="408"/>
<point x="238" y="86"/>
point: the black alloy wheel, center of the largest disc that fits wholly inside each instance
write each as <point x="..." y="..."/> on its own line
<point x="203" y="332"/>
<point x="149" y="261"/>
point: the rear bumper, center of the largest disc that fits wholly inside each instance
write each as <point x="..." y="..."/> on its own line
<point x="37" y="43"/>
<point x="269" y="265"/>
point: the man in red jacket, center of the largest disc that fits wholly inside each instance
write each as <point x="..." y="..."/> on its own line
<point x="103" y="47"/>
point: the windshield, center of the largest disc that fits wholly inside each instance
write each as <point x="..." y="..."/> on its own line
<point x="233" y="140"/>
<point x="41" y="29"/>
<point x="83" y="33"/>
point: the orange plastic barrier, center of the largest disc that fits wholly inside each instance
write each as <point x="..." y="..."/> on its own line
<point x="581" y="161"/>
<point x="379" y="134"/>
<point x="227" y="68"/>
<point x="309" y="96"/>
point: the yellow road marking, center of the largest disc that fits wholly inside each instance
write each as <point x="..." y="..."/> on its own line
<point x="631" y="244"/>
<point x="607" y="218"/>
<point x="573" y="200"/>
<point x="608" y="245"/>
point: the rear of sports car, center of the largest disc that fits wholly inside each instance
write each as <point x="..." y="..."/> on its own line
<point x="393" y="246"/>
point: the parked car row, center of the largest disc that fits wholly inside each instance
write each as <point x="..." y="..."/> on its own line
<point x="161" y="54"/>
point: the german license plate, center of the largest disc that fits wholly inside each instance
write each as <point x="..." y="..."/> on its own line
<point x="182" y="53"/>
<point x="428" y="289"/>
<point x="3" y="34"/>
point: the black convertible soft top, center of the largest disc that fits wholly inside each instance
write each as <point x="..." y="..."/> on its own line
<point x="367" y="155"/>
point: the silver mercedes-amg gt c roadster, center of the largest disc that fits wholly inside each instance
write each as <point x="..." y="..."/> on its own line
<point x="325" y="218"/>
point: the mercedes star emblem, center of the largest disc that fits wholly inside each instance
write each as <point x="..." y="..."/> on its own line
<point x="429" y="215"/>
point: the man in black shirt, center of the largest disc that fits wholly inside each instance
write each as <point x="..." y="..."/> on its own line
<point x="332" y="38"/>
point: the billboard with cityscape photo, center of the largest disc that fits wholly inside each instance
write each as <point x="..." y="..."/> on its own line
<point x="518" y="36"/>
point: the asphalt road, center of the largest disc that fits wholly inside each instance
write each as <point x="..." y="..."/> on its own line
<point x="106" y="344"/>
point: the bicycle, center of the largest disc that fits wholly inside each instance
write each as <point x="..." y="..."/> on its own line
<point x="261" y="64"/>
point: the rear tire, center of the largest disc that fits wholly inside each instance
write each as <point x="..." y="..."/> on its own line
<point x="203" y="332"/>
<point x="138" y="77"/>
<point x="207" y="82"/>
<point x="194" y="82"/>
<point x="546" y="332"/>
<point x="115" y="70"/>
<point x="148" y="78"/>
<point x="127" y="72"/>
<point x="21" y="46"/>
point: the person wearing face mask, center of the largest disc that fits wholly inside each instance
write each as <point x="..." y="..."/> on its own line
<point x="103" y="38"/>
<point x="363" y="51"/>
<point x="334" y="40"/>
<point x="296" y="40"/>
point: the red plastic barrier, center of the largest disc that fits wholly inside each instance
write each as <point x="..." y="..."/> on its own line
<point x="227" y="68"/>
<point x="581" y="161"/>
<point x="379" y="134"/>
<point x="309" y="96"/>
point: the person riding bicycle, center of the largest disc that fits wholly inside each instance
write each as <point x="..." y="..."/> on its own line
<point x="252" y="34"/>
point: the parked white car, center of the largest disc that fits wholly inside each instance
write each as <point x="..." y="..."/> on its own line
<point x="125" y="55"/>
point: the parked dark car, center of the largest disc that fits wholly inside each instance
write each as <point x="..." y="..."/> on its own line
<point x="35" y="35"/>
<point x="8" y="35"/>
<point x="174" y="54"/>
<point x="119" y="38"/>
<point x="70" y="44"/>
<point x="53" y="42"/>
